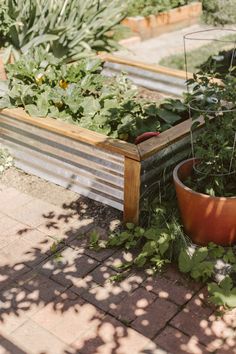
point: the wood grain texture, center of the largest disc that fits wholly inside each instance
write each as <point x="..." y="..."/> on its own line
<point x="168" y="137"/>
<point x="154" y="68"/>
<point x="75" y="132"/>
<point x="132" y="184"/>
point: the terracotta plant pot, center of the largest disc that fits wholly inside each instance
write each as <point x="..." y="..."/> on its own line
<point x="205" y="218"/>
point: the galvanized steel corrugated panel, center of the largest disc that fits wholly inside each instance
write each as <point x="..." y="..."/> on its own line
<point x="167" y="84"/>
<point x="85" y="169"/>
<point x="159" y="167"/>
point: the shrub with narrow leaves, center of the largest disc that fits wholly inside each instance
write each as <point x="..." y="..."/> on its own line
<point x="69" y="29"/>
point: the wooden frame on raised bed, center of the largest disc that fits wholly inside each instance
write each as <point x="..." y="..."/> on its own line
<point x="166" y="21"/>
<point x="107" y="170"/>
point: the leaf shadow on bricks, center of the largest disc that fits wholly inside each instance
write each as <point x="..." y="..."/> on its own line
<point x="58" y="289"/>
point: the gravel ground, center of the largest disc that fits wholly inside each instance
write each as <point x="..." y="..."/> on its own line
<point x="103" y="215"/>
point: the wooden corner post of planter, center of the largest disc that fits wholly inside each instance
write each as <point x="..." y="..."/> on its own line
<point x="132" y="184"/>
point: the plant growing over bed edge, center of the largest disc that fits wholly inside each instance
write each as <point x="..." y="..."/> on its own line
<point x="80" y="94"/>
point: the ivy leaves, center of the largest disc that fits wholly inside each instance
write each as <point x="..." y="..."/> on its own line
<point x="223" y="293"/>
<point x="154" y="245"/>
<point x="155" y="248"/>
<point x="198" y="265"/>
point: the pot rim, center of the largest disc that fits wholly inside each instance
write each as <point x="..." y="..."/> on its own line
<point x="178" y="181"/>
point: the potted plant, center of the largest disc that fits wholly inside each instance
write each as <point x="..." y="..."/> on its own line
<point x="206" y="184"/>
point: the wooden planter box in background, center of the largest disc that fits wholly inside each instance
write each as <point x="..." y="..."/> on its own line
<point x="108" y="170"/>
<point x="154" y="25"/>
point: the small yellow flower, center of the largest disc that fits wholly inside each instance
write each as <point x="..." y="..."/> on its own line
<point x="39" y="78"/>
<point x="63" y="84"/>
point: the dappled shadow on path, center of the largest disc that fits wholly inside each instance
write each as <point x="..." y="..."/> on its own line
<point x="60" y="292"/>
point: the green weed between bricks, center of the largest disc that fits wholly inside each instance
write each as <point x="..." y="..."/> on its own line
<point x="164" y="242"/>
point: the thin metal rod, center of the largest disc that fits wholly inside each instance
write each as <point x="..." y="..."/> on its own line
<point x="188" y="35"/>
<point x="208" y="111"/>
<point x="232" y="158"/>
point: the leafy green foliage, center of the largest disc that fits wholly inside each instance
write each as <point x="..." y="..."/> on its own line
<point x="5" y="22"/>
<point x="6" y="160"/>
<point x="223" y="293"/>
<point x="79" y="94"/>
<point x="94" y="240"/>
<point x="221" y="63"/>
<point x="214" y="144"/>
<point x="163" y="241"/>
<point x="197" y="264"/>
<point x="153" y="7"/>
<point x="68" y="29"/>
<point x="55" y="247"/>
<point x="154" y="245"/>
<point x="219" y="12"/>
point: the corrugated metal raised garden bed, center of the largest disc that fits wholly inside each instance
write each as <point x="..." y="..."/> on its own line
<point x="108" y="170"/>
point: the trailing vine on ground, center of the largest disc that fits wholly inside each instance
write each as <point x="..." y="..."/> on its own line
<point x="163" y="242"/>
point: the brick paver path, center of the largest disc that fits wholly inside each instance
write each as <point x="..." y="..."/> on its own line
<point x="64" y="303"/>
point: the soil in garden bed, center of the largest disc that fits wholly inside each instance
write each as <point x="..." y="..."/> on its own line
<point x="102" y="215"/>
<point x="146" y="94"/>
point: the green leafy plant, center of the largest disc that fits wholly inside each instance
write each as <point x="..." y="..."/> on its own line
<point x="5" y="22"/>
<point x="219" y="12"/>
<point x="196" y="264"/>
<point x="68" y="29"/>
<point x="223" y="293"/>
<point x="79" y="94"/>
<point x="55" y="250"/>
<point x="220" y="64"/>
<point x="214" y="146"/>
<point x="153" y="7"/>
<point x="157" y="243"/>
<point x="162" y="241"/>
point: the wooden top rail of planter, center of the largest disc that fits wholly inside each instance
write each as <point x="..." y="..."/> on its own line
<point x="149" y="67"/>
<point x="166" y="21"/>
<point x="77" y="133"/>
<point x="108" y="170"/>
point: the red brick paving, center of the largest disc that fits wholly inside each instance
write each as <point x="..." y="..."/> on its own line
<point x="155" y="317"/>
<point x="165" y="289"/>
<point x="176" y="342"/>
<point x="68" y="305"/>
